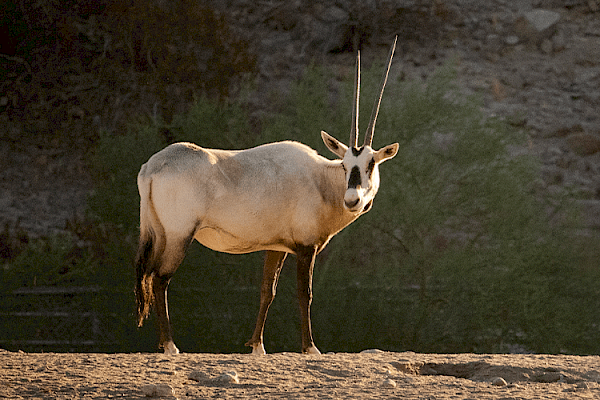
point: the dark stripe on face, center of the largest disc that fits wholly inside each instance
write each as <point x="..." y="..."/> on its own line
<point x="356" y="151"/>
<point x="354" y="179"/>
<point x="370" y="167"/>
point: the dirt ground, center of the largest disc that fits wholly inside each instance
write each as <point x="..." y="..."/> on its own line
<point x="372" y="374"/>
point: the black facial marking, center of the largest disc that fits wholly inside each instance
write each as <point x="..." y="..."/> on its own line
<point x="370" y="167"/>
<point x="356" y="151"/>
<point x="354" y="179"/>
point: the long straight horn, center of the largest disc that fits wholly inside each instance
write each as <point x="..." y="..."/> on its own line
<point x="354" y="129"/>
<point x="375" y="112"/>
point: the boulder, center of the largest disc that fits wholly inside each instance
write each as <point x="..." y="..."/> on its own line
<point x="229" y="377"/>
<point x="542" y="20"/>
<point x="499" y="381"/>
<point x="536" y="25"/>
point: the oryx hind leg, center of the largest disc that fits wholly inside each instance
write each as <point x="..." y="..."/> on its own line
<point x="271" y="270"/>
<point x="173" y="255"/>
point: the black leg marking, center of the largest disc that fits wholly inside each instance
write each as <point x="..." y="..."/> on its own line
<point x="305" y="265"/>
<point x="159" y="288"/>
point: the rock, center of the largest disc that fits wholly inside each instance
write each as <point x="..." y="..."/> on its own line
<point x="593" y="376"/>
<point x="229" y="377"/>
<point x="566" y="131"/>
<point x="198" y="376"/>
<point x="546" y="46"/>
<point x="584" y="144"/>
<point x="408" y="367"/>
<point x="547" y="377"/>
<point x="536" y="25"/>
<point x="583" y="51"/>
<point x="493" y="43"/>
<point x="523" y="5"/>
<point x="498" y="381"/>
<point x="542" y="20"/>
<point x="428" y="370"/>
<point x="559" y="41"/>
<point x="511" y="40"/>
<point x="334" y="14"/>
<point x="371" y="351"/>
<point x="148" y="390"/>
<point x="583" y="386"/>
<point x="389" y="383"/>
<point x="321" y="36"/>
<point x="160" y="390"/>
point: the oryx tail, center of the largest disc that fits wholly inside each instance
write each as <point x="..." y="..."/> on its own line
<point x="149" y="251"/>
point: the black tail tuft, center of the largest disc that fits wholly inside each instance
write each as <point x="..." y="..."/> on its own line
<point x="144" y="268"/>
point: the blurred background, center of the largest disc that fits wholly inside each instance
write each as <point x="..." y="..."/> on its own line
<point x="485" y="234"/>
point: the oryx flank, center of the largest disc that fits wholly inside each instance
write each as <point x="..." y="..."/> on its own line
<point x="280" y="197"/>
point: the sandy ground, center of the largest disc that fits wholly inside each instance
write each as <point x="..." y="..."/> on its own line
<point x="295" y="376"/>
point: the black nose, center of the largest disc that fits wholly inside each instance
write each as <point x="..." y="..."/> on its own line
<point x="351" y="204"/>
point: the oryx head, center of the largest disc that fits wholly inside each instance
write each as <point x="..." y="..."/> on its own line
<point x="361" y="163"/>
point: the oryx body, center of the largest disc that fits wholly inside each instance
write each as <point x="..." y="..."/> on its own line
<point x="281" y="197"/>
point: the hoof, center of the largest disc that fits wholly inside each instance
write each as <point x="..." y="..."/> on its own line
<point x="170" y="349"/>
<point x="312" y="350"/>
<point x="258" y="350"/>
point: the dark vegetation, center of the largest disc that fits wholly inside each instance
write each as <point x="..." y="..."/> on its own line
<point x="461" y="251"/>
<point x="73" y="62"/>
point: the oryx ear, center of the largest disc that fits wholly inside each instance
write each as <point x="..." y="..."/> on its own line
<point x="386" y="153"/>
<point x="338" y="148"/>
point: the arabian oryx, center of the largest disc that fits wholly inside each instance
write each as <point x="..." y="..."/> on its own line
<point x="280" y="197"/>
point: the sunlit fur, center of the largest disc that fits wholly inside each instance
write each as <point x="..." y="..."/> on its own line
<point x="280" y="197"/>
<point x="271" y="197"/>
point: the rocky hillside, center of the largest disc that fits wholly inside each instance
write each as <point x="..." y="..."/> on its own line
<point x="536" y="62"/>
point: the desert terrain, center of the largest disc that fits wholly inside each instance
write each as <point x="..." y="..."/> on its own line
<point x="371" y="374"/>
<point x="543" y="73"/>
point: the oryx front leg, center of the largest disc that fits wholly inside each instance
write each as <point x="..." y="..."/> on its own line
<point x="272" y="268"/>
<point x="305" y="265"/>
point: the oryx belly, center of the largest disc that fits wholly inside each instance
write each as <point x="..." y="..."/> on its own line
<point x="217" y="239"/>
